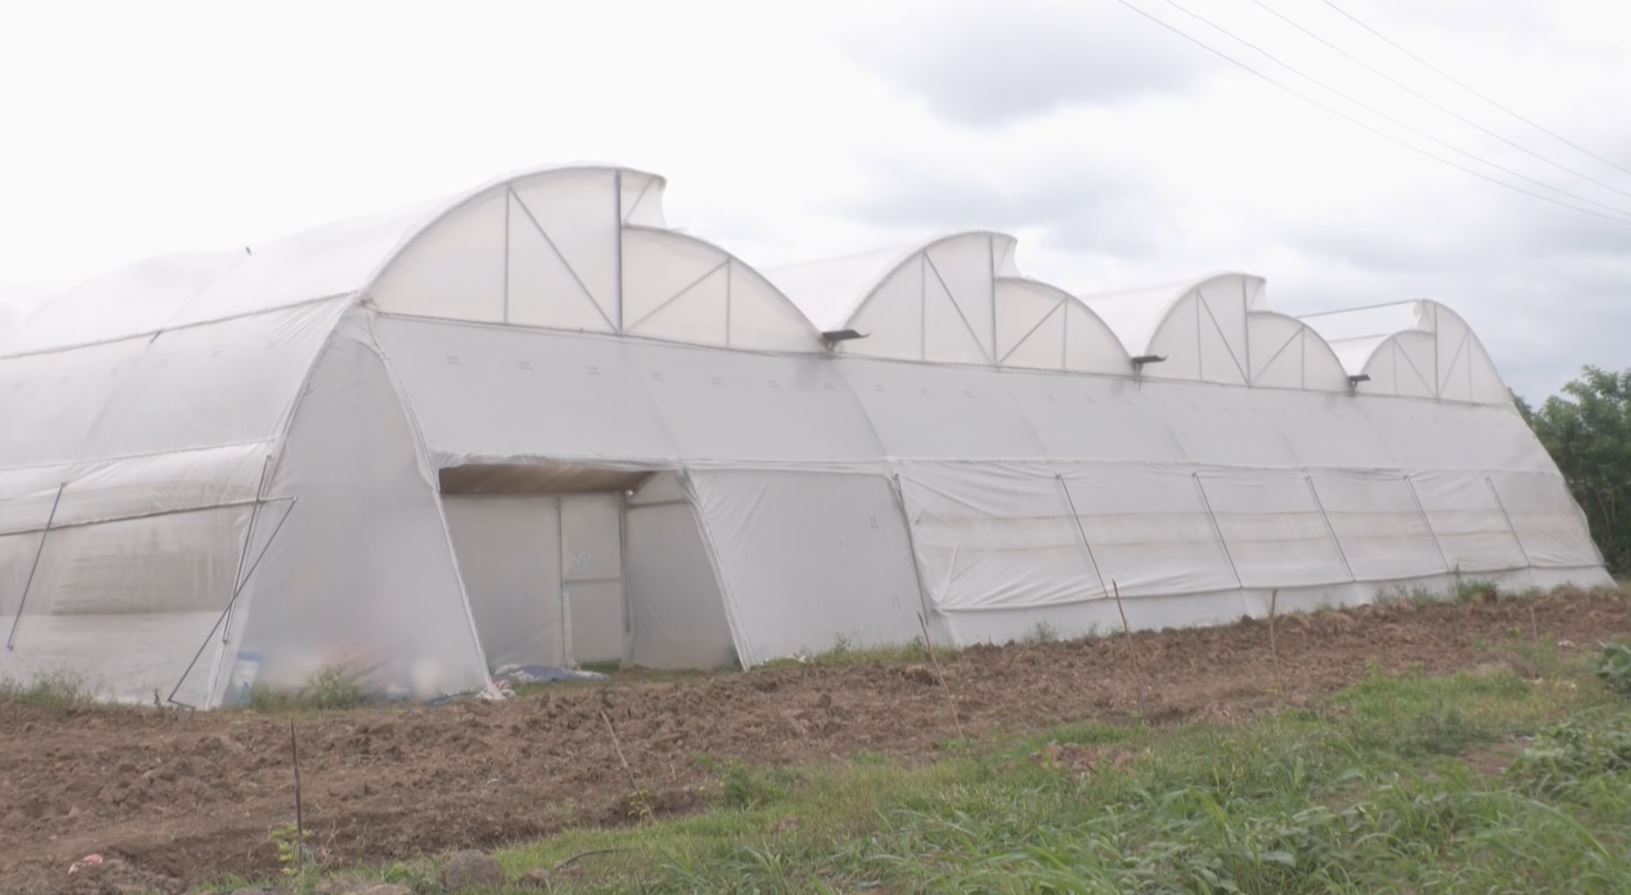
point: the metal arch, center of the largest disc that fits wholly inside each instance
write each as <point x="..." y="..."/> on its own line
<point x="990" y="353"/>
<point x="1068" y="300"/>
<point x="1181" y="290"/>
<point x="1200" y="299"/>
<point x="1398" y="352"/>
<point x="469" y="197"/>
<point x="722" y="265"/>
<point x="510" y="194"/>
<point x="1031" y="332"/>
<point x="728" y="256"/>
<point x="921" y="251"/>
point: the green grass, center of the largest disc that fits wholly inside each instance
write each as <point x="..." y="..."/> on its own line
<point x="1368" y="794"/>
<point x="844" y="653"/>
<point x="50" y="688"/>
<point x="330" y="689"/>
<point x="1399" y="784"/>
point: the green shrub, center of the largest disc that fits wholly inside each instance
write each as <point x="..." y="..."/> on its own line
<point x="329" y="688"/>
<point x="1576" y="752"/>
<point x="55" y="688"/>
<point x="1613" y="667"/>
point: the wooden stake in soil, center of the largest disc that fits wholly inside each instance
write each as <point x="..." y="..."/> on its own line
<point x="299" y="810"/>
<point x="939" y="676"/>
<point x="1274" y="648"/>
<point x="1116" y="589"/>
<point x="1127" y="631"/>
<point x="1274" y="600"/>
<point x="634" y="785"/>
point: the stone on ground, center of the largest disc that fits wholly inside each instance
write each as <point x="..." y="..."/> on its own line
<point x="470" y="869"/>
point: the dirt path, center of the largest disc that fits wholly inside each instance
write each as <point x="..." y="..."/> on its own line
<point x="184" y="799"/>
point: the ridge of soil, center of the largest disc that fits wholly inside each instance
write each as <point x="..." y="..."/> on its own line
<point x="176" y="799"/>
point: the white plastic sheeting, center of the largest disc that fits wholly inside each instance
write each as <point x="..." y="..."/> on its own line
<point x="143" y="455"/>
<point x="224" y="470"/>
<point x="592" y="576"/>
<point x="579" y="249"/>
<point x="509" y="555"/>
<point x="1416" y="348"/>
<point x="619" y="401"/>
<point x="957" y="299"/>
<point x="677" y="616"/>
<point x="1287" y="353"/>
<point x="361" y="576"/>
<point x="809" y="561"/>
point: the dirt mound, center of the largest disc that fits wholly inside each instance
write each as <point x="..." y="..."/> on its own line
<point x="171" y="799"/>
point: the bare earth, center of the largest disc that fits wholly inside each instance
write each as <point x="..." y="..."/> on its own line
<point x="180" y="799"/>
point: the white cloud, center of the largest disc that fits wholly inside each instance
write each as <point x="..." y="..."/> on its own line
<point x="989" y="63"/>
<point x="1119" y="153"/>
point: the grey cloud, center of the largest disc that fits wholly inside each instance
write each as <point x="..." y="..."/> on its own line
<point x="990" y="63"/>
<point x="1073" y="204"/>
<point x="1545" y="291"/>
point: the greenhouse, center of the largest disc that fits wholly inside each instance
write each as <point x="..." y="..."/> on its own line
<point x="532" y="425"/>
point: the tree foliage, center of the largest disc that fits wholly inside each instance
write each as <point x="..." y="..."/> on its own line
<point x="1587" y="430"/>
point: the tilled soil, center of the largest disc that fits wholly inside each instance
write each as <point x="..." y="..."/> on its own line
<point x="177" y="799"/>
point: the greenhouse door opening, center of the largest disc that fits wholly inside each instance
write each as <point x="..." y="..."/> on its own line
<point x="543" y="574"/>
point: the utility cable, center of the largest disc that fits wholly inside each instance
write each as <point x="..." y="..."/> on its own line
<point x="1436" y="104"/>
<point x="1620" y="212"/>
<point x="1475" y="92"/>
<point x="1360" y="124"/>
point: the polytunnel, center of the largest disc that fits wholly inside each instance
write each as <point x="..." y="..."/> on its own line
<point x="1414" y="348"/>
<point x="1220" y="329"/>
<point x="531" y="425"/>
<point x="956" y="299"/>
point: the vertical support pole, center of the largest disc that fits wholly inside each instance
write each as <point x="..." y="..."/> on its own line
<point x="911" y="544"/>
<point x="220" y="619"/>
<point x="565" y="596"/>
<point x="620" y="221"/>
<point x="991" y="256"/>
<point x="11" y="638"/>
<point x="509" y="202"/>
<point x="238" y="571"/>
<point x="1509" y="526"/>
<point x="1329" y="528"/>
<point x="1077" y="518"/>
<point x="627" y="653"/>
<point x="1218" y="529"/>
<point x="249" y="540"/>
<point x="1442" y="556"/>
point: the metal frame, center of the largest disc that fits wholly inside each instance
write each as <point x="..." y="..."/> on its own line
<point x="1442" y="556"/>
<point x="237" y="590"/>
<point x="1331" y="529"/>
<point x="1508" y="517"/>
<point x="1077" y="518"/>
<point x="39" y="549"/>
<point x="1213" y="518"/>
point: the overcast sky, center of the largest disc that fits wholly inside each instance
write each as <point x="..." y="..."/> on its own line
<point x="1120" y="153"/>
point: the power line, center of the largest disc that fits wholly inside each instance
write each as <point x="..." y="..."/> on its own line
<point x="1436" y="104"/>
<point x="1395" y="121"/>
<point x="1357" y="123"/>
<point x="1475" y="92"/>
